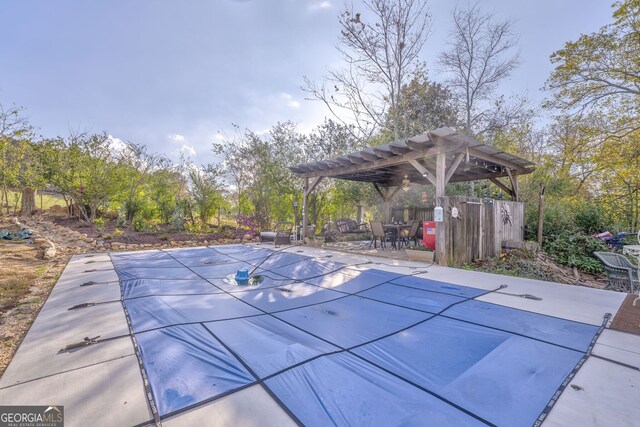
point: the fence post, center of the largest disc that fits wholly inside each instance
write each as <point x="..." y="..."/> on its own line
<point x="540" y="216"/>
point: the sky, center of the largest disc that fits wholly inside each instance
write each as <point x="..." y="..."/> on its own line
<point x="178" y="75"/>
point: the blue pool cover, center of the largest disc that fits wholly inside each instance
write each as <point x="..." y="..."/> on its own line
<point x="336" y="344"/>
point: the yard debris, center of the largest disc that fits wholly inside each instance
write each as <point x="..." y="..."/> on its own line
<point x="539" y="266"/>
<point x="23" y="234"/>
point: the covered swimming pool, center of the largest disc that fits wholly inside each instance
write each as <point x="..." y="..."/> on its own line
<point x="319" y="338"/>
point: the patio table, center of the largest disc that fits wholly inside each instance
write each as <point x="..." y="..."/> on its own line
<point x="398" y="228"/>
<point x="631" y="250"/>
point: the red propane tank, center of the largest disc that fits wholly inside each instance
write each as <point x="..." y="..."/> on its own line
<point x="429" y="234"/>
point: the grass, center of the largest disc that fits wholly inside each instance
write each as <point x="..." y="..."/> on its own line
<point x="19" y="270"/>
<point x="13" y="289"/>
<point x="43" y="201"/>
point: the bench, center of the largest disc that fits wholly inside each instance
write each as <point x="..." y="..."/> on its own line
<point x="279" y="235"/>
<point x="350" y="226"/>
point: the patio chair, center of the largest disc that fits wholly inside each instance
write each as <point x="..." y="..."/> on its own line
<point x="377" y="232"/>
<point x="412" y="234"/>
<point x="280" y="235"/>
<point x="622" y="274"/>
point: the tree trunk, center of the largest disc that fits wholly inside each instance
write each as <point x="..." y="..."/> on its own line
<point x="28" y="205"/>
<point x="6" y="197"/>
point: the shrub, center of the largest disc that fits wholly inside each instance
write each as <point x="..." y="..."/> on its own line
<point x="131" y="208"/>
<point x="100" y="224"/>
<point x="590" y="218"/>
<point x="151" y="226"/>
<point x="122" y="218"/>
<point x="138" y="224"/>
<point x="575" y="249"/>
<point x="177" y="219"/>
<point x="192" y="228"/>
<point x="247" y="226"/>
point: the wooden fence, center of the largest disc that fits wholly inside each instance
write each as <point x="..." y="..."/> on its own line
<point x="478" y="231"/>
<point x="421" y="213"/>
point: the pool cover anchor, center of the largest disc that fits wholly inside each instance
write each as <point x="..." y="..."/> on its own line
<point x="83" y="305"/>
<point x="526" y="296"/>
<point x="84" y="343"/>
<point x="90" y="304"/>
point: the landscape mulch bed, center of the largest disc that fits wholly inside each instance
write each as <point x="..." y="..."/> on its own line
<point x="128" y="235"/>
<point x="628" y="317"/>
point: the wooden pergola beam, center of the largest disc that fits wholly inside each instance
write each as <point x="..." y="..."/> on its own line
<point x="349" y="168"/>
<point x="490" y="158"/>
<point x="423" y="171"/>
<point x="503" y="187"/>
<point x="454" y="167"/>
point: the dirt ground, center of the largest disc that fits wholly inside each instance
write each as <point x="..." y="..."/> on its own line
<point x="25" y="283"/>
<point x="126" y="234"/>
<point x="628" y="317"/>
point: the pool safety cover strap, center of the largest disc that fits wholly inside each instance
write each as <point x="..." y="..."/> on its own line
<point x="340" y="345"/>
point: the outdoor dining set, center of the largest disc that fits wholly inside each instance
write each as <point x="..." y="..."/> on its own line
<point x="396" y="233"/>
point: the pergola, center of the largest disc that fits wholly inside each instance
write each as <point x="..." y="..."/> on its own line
<point x="437" y="157"/>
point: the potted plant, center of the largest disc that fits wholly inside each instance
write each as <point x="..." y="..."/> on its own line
<point x="420" y="253"/>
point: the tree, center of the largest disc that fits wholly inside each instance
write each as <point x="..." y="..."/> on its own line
<point x="333" y="197"/>
<point x="138" y="164"/>
<point x="258" y="167"/>
<point x="380" y="46"/>
<point x="601" y="71"/>
<point x="479" y="58"/>
<point x="30" y="176"/>
<point x="206" y="190"/>
<point x="619" y="180"/>
<point x="424" y="105"/>
<point x="15" y="131"/>
<point x="166" y="187"/>
<point x="86" y="171"/>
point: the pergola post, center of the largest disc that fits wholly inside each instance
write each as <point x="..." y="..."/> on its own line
<point x="441" y="250"/>
<point x="305" y="213"/>
<point x="386" y="199"/>
<point x="308" y="188"/>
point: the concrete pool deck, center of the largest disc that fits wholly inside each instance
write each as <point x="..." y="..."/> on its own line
<point x="101" y="384"/>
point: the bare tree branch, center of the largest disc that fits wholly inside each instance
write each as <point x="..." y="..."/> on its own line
<point x="380" y="46"/>
<point x="479" y="58"/>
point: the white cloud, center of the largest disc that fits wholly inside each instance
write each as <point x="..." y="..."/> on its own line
<point x="176" y="137"/>
<point x="219" y="137"/>
<point x="290" y="101"/>
<point x="116" y="144"/>
<point x="320" y="5"/>
<point x="262" y="132"/>
<point x="188" y="150"/>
